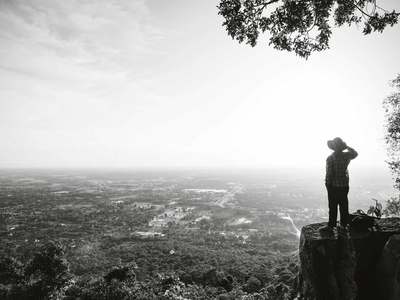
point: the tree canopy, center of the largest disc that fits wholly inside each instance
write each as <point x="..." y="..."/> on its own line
<point x="301" y="26"/>
<point x="392" y="137"/>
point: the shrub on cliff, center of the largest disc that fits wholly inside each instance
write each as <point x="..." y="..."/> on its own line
<point x="392" y="207"/>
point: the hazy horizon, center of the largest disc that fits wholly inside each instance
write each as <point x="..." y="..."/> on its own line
<point x="362" y="178"/>
<point x="145" y="83"/>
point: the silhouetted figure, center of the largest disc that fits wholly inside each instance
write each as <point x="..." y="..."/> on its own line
<point x="337" y="182"/>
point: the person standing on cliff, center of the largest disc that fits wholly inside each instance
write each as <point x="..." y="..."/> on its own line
<point x="337" y="182"/>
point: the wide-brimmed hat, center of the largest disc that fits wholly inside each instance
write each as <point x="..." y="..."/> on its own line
<point x="337" y="144"/>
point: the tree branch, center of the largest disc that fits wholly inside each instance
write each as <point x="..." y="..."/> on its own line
<point x="362" y="11"/>
<point x="264" y="5"/>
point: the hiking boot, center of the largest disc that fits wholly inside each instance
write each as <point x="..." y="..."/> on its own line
<point x="344" y="230"/>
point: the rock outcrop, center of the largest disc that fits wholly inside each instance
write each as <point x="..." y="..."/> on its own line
<point x="357" y="266"/>
<point x="388" y="269"/>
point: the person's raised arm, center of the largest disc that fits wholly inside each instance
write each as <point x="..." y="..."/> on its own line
<point x="351" y="152"/>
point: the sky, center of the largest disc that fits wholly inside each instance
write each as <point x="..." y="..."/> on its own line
<point x="155" y="83"/>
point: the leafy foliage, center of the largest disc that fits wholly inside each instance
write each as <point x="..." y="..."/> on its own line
<point x="392" y="207"/>
<point x="166" y="286"/>
<point x="392" y="138"/>
<point x="38" y="279"/>
<point x="302" y="26"/>
<point x="10" y="270"/>
<point x="392" y="111"/>
<point x="46" y="276"/>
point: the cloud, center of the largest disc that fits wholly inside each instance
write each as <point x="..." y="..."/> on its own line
<point x="76" y="41"/>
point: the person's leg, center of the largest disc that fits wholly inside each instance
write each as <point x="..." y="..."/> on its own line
<point x="344" y="207"/>
<point x="332" y="199"/>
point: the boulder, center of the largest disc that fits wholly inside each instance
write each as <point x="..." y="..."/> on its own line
<point x="356" y="266"/>
<point x="388" y="270"/>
